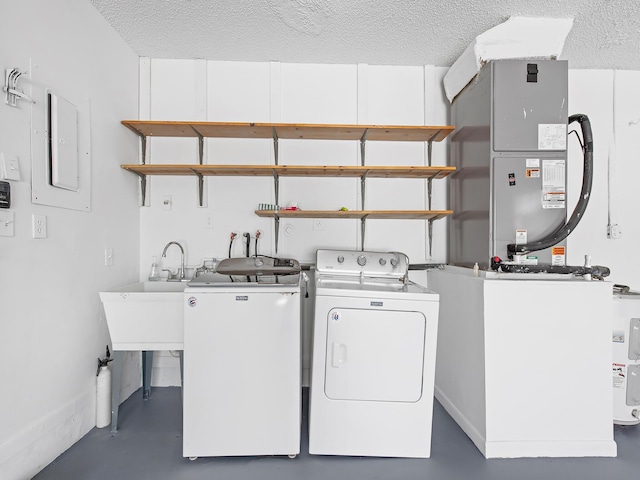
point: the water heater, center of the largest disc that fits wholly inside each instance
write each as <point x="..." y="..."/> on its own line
<point x="510" y="154"/>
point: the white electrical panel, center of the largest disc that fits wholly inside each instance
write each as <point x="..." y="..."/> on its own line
<point x="63" y="151"/>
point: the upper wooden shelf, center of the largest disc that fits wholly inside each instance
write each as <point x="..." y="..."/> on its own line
<point x="293" y="170"/>
<point x="417" y="133"/>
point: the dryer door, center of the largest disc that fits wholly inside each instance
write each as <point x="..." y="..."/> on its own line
<point x="374" y="355"/>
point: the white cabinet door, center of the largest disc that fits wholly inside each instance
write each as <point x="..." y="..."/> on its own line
<point x="374" y="355"/>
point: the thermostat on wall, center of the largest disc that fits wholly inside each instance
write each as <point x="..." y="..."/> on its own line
<point x="5" y="195"/>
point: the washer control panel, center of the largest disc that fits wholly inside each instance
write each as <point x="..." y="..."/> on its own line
<point x="370" y="264"/>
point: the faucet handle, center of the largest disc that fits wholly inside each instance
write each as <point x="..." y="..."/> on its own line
<point x="170" y="275"/>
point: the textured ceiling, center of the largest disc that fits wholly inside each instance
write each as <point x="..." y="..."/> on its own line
<point x="605" y="34"/>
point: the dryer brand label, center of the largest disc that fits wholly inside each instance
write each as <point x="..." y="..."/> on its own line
<point x="242" y="298"/>
<point x="335" y="316"/>
<point x="376" y="304"/>
<point x="192" y="301"/>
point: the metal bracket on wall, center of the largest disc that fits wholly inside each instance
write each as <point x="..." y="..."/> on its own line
<point x="143" y="186"/>
<point x="200" y="146"/>
<point x="275" y="144"/>
<point x="363" y="226"/>
<point x="276" y="219"/>
<point x="363" y="141"/>
<point x="276" y="186"/>
<point x="200" y="186"/>
<point x="430" y="230"/>
<point x="13" y="93"/>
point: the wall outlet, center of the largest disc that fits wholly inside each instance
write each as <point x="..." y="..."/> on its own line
<point x="614" y="232"/>
<point x="39" y="226"/>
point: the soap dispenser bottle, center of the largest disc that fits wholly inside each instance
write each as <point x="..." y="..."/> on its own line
<point x="154" y="273"/>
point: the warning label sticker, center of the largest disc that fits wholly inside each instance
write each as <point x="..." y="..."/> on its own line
<point x="558" y="256"/>
<point x="618" y="375"/>
<point x="553" y="184"/>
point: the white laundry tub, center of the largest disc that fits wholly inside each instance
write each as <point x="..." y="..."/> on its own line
<point x="145" y="316"/>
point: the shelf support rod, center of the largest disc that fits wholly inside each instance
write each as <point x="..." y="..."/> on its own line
<point x="200" y="186"/>
<point x="363" y="141"/>
<point x="363" y="183"/>
<point x="276" y="185"/>
<point x="276" y="219"/>
<point x="143" y="186"/>
<point x="275" y="144"/>
<point x="363" y="227"/>
<point x="200" y="146"/>
<point x="430" y="227"/>
<point x="143" y="149"/>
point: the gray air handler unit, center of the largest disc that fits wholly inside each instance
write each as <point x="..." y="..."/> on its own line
<point x="509" y="193"/>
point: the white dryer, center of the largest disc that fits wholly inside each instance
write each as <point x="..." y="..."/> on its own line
<point x="374" y="353"/>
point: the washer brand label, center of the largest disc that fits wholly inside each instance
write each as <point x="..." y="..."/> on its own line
<point x="376" y="304"/>
<point x="192" y="301"/>
<point x="242" y="298"/>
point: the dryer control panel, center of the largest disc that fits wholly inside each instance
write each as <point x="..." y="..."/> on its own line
<point x="362" y="263"/>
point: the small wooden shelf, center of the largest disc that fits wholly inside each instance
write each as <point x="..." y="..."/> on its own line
<point x="418" y="133"/>
<point x="358" y="214"/>
<point x="293" y="170"/>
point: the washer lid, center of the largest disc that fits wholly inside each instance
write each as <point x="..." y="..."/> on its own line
<point x="219" y="280"/>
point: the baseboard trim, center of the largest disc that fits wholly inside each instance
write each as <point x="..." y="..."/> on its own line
<point x="31" y="449"/>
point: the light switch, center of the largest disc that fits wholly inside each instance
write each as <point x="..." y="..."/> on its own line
<point x="9" y="168"/>
<point x="108" y="257"/>
<point x="6" y="223"/>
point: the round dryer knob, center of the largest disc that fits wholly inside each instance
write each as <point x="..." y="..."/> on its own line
<point x="382" y="262"/>
<point x="340" y="259"/>
<point x="362" y="260"/>
<point x="258" y="262"/>
<point x="394" y="261"/>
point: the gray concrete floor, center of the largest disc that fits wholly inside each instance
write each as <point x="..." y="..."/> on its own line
<point x="148" y="445"/>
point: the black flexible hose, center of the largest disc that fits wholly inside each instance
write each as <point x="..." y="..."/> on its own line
<point x="585" y="193"/>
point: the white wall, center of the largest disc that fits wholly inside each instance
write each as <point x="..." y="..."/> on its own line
<point x="51" y="321"/>
<point x="290" y="93"/>
<point x="308" y="93"/>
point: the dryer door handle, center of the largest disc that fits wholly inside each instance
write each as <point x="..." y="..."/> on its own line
<point x="338" y="355"/>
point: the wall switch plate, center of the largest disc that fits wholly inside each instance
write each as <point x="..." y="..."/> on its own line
<point x="39" y="226"/>
<point x="6" y="223"/>
<point x="9" y="168"/>
<point x="108" y="257"/>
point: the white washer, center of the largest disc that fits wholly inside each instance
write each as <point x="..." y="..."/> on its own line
<point x="242" y="368"/>
<point x="374" y="352"/>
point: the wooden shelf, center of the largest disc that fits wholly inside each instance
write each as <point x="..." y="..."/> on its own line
<point x="418" y="133"/>
<point x="277" y="131"/>
<point x="358" y="214"/>
<point x="293" y="170"/>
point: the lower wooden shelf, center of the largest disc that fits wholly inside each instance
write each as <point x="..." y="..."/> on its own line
<point x="358" y="214"/>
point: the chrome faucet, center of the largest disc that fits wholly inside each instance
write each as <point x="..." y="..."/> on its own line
<point x="179" y="276"/>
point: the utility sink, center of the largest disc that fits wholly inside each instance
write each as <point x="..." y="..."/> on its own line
<point x="145" y="316"/>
